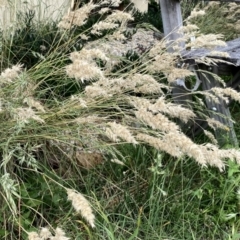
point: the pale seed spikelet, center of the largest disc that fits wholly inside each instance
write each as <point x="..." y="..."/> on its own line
<point x="178" y="145"/>
<point x="232" y="6"/>
<point x="138" y="83"/>
<point x="1" y="105"/>
<point x="59" y="235"/>
<point x="93" y="119"/>
<point x="236" y="13"/>
<point x="209" y="61"/>
<point x="176" y="73"/>
<point x="25" y="114"/>
<point x="144" y="83"/>
<point x="230" y="92"/>
<point x="232" y="154"/>
<point x="189" y="28"/>
<point x="119" y="16"/>
<point x="114" y="86"/>
<point x="65" y="24"/>
<point x="186" y="145"/>
<point x="112" y="3"/>
<point x="208" y="41"/>
<point x="196" y="13"/>
<point x="218" y="92"/>
<point x="10" y="74"/>
<point x="88" y="54"/>
<point x="211" y="137"/>
<point x="164" y="62"/>
<point x="111" y="22"/>
<point x="34" y="236"/>
<point x="96" y="92"/>
<point x="160" y="144"/>
<point x="200" y="101"/>
<point x="82" y="103"/>
<point x="83" y="70"/>
<point x="117" y="161"/>
<point x="99" y="27"/>
<point x="156" y="121"/>
<point x="77" y="17"/>
<point x="122" y="132"/>
<point x="237" y="27"/>
<point x="212" y="4"/>
<point x="213" y="155"/>
<point x="117" y="35"/>
<point x="45" y="233"/>
<point x="31" y="102"/>
<point x="210" y="96"/>
<point x="84" y="37"/>
<point x="139" y="103"/>
<point x="111" y="135"/>
<point x="159" y="49"/>
<point x="173" y="110"/>
<point x="220" y="80"/>
<point x="104" y="10"/>
<point x="226" y="24"/>
<point x="84" y="67"/>
<point x="219" y="54"/>
<point x="214" y="124"/>
<point x="81" y="205"/>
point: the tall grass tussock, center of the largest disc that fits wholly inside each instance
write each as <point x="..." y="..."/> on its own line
<point x="93" y="144"/>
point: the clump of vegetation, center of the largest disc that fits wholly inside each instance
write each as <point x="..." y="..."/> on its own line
<point x="91" y="143"/>
<point x="220" y="18"/>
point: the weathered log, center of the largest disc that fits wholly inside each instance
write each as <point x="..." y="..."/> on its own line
<point x="172" y="20"/>
<point x="232" y="48"/>
<point x="218" y="111"/>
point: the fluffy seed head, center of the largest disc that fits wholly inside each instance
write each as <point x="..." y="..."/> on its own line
<point x="81" y="205"/>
